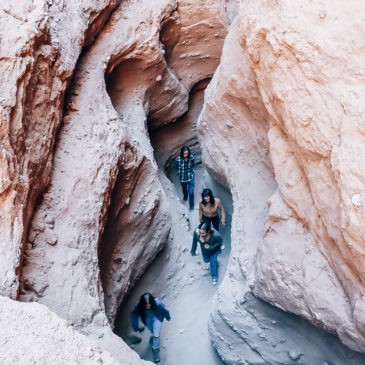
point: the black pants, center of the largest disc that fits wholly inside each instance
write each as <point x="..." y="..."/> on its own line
<point x="214" y="221"/>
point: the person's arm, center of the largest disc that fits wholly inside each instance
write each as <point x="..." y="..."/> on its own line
<point x="193" y="247"/>
<point x="217" y="241"/>
<point x="223" y="213"/>
<point x="201" y="212"/>
<point x="176" y="163"/>
<point x="165" y="311"/>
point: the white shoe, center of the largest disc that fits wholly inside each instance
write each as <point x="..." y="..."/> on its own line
<point x="214" y="281"/>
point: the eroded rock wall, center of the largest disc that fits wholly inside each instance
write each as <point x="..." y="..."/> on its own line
<point x="288" y="100"/>
<point x="40" y="44"/>
<point x="193" y="39"/>
<point x="316" y="146"/>
<point x="95" y="146"/>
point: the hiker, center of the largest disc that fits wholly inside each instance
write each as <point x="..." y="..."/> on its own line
<point x="185" y="168"/>
<point x="208" y="209"/>
<point x="210" y="244"/>
<point x="152" y="313"/>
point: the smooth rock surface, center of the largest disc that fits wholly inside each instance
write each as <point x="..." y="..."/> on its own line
<point x="317" y="150"/>
<point x="236" y="135"/>
<point x="32" y="334"/>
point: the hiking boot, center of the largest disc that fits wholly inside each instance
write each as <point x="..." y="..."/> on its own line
<point x="156" y="355"/>
<point x="214" y="281"/>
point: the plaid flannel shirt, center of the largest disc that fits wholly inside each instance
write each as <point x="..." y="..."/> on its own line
<point x="185" y="168"/>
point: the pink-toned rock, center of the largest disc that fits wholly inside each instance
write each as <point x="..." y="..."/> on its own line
<point x="316" y="146"/>
<point x="40" y="44"/>
<point x="193" y="38"/>
<point x="104" y="155"/>
<point x="301" y="260"/>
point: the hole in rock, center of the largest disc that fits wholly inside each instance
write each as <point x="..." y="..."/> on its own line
<point x="181" y="281"/>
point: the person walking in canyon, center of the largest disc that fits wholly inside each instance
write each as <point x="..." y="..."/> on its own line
<point x="210" y="244"/>
<point x="208" y="209"/>
<point x="152" y="313"/>
<point x="185" y="168"/>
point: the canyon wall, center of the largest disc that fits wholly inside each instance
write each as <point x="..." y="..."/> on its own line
<point x="307" y="259"/>
<point x="316" y="140"/>
<point x="99" y="150"/>
<point x="40" y="44"/>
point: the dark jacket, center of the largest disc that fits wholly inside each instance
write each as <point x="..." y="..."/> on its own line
<point x="160" y="312"/>
<point x="214" y="242"/>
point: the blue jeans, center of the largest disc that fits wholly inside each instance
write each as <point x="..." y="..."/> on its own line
<point x="188" y="189"/>
<point x="213" y="264"/>
<point x="154" y="326"/>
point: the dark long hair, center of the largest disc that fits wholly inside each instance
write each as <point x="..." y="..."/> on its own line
<point x="146" y="298"/>
<point x="205" y="226"/>
<point x="183" y="149"/>
<point x="207" y="192"/>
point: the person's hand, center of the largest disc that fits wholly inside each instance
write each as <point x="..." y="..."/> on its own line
<point x="140" y="328"/>
<point x="206" y="246"/>
<point x="193" y="253"/>
<point x="223" y="224"/>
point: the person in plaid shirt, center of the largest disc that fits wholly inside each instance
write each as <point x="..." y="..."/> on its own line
<point x="185" y="168"/>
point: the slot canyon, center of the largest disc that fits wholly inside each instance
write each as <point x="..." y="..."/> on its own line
<point x="98" y="97"/>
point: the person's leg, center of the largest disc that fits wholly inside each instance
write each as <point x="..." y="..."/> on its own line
<point x="156" y="330"/>
<point x="215" y="222"/>
<point x="206" y="260"/>
<point x="191" y="193"/>
<point x="184" y="187"/>
<point x="214" y="266"/>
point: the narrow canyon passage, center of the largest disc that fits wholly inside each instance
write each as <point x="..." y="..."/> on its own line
<point x="182" y="282"/>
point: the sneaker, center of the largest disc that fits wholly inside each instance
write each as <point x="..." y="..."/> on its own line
<point x="191" y="209"/>
<point x="156" y="355"/>
<point x="214" y="281"/>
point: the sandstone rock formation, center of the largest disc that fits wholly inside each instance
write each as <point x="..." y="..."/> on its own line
<point x="66" y="250"/>
<point x="40" y="44"/>
<point x="308" y="259"/>
<point x="32" y="334"/>
<point x="314" y="138"/>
